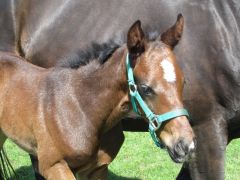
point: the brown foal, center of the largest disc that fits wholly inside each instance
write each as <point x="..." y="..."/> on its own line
<point x="66" y="116"/>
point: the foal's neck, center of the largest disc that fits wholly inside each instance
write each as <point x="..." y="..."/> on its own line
<point x="106" y="87"/>
<point x="112" y="74"/>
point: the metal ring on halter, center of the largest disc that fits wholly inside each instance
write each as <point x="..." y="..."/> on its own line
<point x="132" y="89"/>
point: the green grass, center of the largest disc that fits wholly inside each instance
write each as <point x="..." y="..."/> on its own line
<point x="138" y="159"/>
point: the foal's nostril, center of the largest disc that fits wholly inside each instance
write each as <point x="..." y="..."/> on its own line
<point x="180" y="148"/>
<point x="180" y="151"/>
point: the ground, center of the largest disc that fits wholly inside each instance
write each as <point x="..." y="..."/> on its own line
<point x="138" y="159"/>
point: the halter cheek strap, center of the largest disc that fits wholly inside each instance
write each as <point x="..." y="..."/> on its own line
<point x="155" y="121"/>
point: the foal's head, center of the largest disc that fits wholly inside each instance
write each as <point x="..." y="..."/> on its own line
<point x="159" y="81"/>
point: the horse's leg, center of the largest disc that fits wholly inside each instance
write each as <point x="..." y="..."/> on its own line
<point x="209" y="158"/>
<point x="2" y="139"/>
<point x="100" y="173"/>
<point x="52" y="165"/>
<point x="2" y="157"/>
<point x="34" y="161"/>
<point x="184" y="173"/>
<point x="110" y="145"/>
<point x="59" y="170"/>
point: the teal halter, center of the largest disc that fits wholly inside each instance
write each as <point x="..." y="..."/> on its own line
<point x="155" y="121"/>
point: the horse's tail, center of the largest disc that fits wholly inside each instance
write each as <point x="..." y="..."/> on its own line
<point x="6" y="170"/>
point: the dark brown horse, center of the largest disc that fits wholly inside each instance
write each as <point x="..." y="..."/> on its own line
<point x="65" y="115"/>
<point x="43" y="31"/>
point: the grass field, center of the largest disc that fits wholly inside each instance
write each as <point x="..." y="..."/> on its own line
<point x="138" y="159"/>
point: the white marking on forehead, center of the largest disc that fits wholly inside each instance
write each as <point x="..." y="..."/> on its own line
<point x="168" y="71"/>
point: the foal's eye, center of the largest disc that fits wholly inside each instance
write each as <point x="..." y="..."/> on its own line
<point x="146" y="90"/>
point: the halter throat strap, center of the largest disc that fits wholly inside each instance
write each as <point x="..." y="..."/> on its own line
<point x="154" y="120"/>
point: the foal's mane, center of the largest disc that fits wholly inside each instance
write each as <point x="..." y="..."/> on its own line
<point x="99" y="52"/>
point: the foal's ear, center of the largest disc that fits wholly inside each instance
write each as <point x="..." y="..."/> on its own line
<point x="135" y="40"/>
<point x="174" y="34"/>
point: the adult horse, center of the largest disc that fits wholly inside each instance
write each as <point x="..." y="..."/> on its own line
<point x="208" y="54"/>
<point x="61" y="114"/>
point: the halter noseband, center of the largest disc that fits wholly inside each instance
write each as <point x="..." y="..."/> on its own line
<point x="155" y="121"/>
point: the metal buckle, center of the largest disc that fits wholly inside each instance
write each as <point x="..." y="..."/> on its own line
<point x="155" y="125"/>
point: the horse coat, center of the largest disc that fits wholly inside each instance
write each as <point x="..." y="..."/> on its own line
<point x="209" y="55"/>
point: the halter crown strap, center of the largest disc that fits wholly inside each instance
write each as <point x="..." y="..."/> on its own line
<point x="155" y="121"/>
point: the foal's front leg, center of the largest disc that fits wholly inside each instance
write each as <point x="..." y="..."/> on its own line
<point x="52" y="165"/>
<point x="59" y="171"/>
<point x="209" y="159"/>
<point x="110" y="145"/>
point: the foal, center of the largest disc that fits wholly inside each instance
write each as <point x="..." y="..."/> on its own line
<point x="61" y="114"/>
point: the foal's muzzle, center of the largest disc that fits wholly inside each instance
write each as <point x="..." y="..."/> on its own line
<point x="181" y="150"/>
